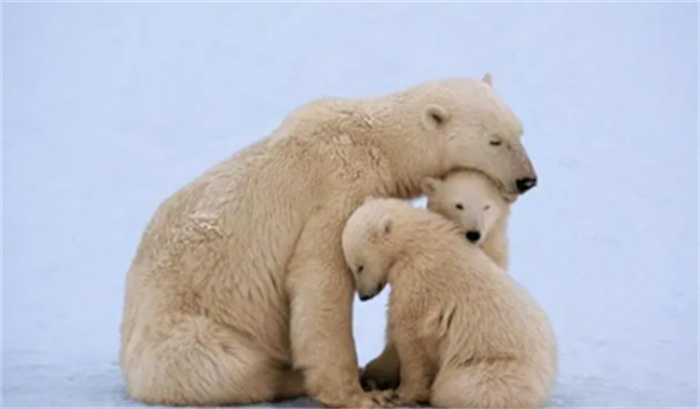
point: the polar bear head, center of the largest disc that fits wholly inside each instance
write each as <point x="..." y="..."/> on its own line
<point x="368" y="244"/>
<point x="473" y="127"/>
<point x="469" y="199"/>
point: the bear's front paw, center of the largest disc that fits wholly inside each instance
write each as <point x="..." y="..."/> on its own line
<point x="365" y="400"/>
<point x="408" y="396"/>
<point x="385" y="399"/>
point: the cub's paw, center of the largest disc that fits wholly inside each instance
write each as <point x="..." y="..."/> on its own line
<point x="411" y="397"/>
<point x="384" y="399"/>
<point x="366" y="400"/>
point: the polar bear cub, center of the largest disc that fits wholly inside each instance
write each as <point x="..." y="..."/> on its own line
<point x="467" y="335"/>
<point x="480" y="209"/>
<point x="477" y="205"/>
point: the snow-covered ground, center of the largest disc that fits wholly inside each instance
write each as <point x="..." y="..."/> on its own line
<point x="110" y="107"/>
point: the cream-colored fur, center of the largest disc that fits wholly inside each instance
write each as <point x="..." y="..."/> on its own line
<point x="476" y="204"/>
<point x="466" y="333"/>
<point x="239" y="293"/>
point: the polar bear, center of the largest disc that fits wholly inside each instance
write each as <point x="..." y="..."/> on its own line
<point x="477" y="205"/>
<point x="466" y="333"/>
<point x="481" y="210"/>
<point x="238" y="292"/>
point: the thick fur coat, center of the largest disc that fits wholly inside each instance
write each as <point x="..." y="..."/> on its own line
<point x="480" y="210"/>
<point x="239" y="293"/>
<point x="466" y="333"/>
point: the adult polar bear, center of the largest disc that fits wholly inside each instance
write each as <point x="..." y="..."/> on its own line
<point x="239" y="291"/>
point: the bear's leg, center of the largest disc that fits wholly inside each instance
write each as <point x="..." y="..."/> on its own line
<point x="321" y="295"/>
<point x="417" y="371"/>
<point x="191" y="360"/>
<point x="291" y="386"/>
<point x="382" y="372"/>
<point x="489" y="384"/>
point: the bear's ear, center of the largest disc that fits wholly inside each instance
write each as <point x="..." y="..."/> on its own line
<point x="487" y="79"/>
<point x="429" y="186"/>
<point x="386" y="226"/>
<point x="367" y="199"/>
<point x="435" y="116"/>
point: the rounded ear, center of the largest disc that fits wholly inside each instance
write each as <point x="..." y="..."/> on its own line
<point x="488" y="79"/>
<point x="367" y="199"/>
<point x="436" y="116"/>
<point x="429" y="186"/>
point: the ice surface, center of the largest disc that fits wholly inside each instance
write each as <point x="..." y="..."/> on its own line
<point x="110" y="107"/>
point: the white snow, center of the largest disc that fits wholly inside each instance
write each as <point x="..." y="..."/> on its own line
<point x="110" y="107"/>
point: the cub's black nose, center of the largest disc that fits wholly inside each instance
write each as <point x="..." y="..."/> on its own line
<point x="473" y="236"/>
<point x="525" y="184"/>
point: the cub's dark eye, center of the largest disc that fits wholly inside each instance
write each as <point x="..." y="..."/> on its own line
<point x="359" y="269"/>
<point x="487" y="207"/>
<point x="496" y="142"/>
<point x="459" y="206"/>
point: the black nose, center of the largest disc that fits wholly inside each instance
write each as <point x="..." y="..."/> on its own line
<point x="473" y="236"/>
<point x="525" y="184"/>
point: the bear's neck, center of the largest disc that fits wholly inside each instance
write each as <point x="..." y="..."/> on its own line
<point x="395" y="132"/>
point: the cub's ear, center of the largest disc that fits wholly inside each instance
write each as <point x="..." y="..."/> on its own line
<point x="429" y="186"/>
<point x="488" y="79"/>
<point x="367" y="199"/>
<point x="386" y="225"/>
<point x="435" y="116"/>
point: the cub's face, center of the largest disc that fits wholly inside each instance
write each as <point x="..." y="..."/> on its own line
<point x="365" y="242"/>
<point x="470" y="200"/>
